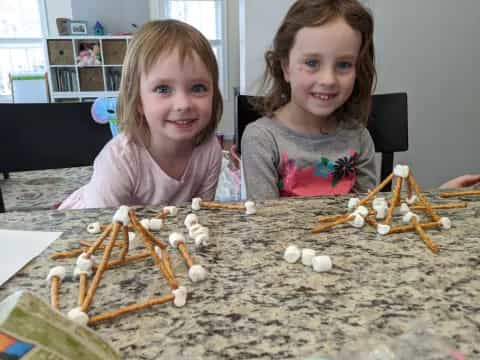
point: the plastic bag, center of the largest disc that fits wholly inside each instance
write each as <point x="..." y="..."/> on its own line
<point x="228" y="188"/>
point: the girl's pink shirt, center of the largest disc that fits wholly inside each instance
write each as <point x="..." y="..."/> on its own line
<point x="124" y="173"/>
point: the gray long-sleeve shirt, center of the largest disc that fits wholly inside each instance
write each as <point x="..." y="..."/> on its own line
<point x="278" y="161"/>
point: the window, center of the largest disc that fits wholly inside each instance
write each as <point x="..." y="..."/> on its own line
<point x="208" y="16"/>
<point x="21" y="33"/>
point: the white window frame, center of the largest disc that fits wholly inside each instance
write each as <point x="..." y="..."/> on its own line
<point x="159" y="10"/>
<point x="34" y="42"/>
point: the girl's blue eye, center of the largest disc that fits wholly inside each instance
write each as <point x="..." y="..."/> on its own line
<point x="199" y="88"/>
<point x="344" y="65"/>
<point x="311" y="63"/>
<point x="163" y="89"/>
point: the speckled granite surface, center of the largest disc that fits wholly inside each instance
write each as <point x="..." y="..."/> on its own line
<point x="254" y="305"/>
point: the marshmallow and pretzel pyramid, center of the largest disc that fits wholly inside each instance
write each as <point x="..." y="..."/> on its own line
<point x="379" y="213"/>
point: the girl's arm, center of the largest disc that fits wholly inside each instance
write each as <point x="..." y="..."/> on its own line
<point x="260" y="174"/>
<point x="461" y="181"/>
<point x="210" y="182"/>
<point x="365" y="165"/>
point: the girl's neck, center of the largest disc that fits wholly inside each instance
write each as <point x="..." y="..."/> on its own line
<point x="304" y="122"/>
<point x="171" y="156"/>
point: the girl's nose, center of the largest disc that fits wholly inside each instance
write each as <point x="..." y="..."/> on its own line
<point x="327" y="77"/>
<point x="182" y="103"/>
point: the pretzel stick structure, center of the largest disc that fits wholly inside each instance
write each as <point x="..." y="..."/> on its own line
<point x="196" y="273"/>
<point x="459" y="193"/>
<point x="90" y="243"/>
<point x="249" y="206"/>
<point x="99" y="241"/>
<point x="128" y="260"/>
<point x="183" y="250"/>
<point x="401" y="229"/>
<point x="395" y="200"/>
<point x="441" y="206"/>
<point x="376" y="190"/>
<point x="430" y="244"/>
<point x="131" y="308"/>
<point x="82" y="288"/>
<point x="331" y="225"/>
<point x="422" y="198"/>
<point x="126" y="242"/>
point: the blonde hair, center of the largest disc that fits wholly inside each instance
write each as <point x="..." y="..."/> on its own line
<point x="312" y="13"/>
<point x="147" y="44"/>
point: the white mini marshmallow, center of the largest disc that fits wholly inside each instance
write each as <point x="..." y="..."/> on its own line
<point x="78" y="316"/>
<point x="197" y="273"/>
<point x="401" y="171"/>
<point x="158" y="251"/>
<point x="94" y="228"/>
<point x="379" y="202"/>
<point x="190" y="220"/>
<point x="322" y="263"/>
<point x="361" y="210"/>
<point x="407" y="218"/>
<point x="446" y="223"/>
<point x="250" y="208"/>
<point x="381" y="212"/>
<point x="176" y="238"/>
<point x="196" y="230"/>
<point x="358" y="221"/>
<point x="84" y="263"/>
<point x="383" y="229"/>
<point x="292" y="254"/>
<point x="307" y="256"/>
<point x="132" y="240"/>
<point x="155" y="224"/>
<point x="145" y="223"/>
<point x="171" y="210"/>
<point x="180" y="296"/>
<point x="411" y="200"/>
<point x="121" y="215"/>
<point x="404" y="209"/>
<point x="196" y="203"/>
<point x="202" y="239"/>
<point x="77" y="272"/>
<point x="353" y="203"/>
<point x="57" y="271"/>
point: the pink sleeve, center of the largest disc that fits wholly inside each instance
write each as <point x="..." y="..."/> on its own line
<point x="209" y="185"/>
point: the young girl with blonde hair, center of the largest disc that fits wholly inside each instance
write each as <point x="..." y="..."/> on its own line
<point x="168" y="108"/>
<point x="318" y="82"/>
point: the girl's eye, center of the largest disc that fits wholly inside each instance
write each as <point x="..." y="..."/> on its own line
<point x="311" y="63"/>
<point x="163" y="89"/>
<point x="344" y="65"/>
<point x="199" y="88"/>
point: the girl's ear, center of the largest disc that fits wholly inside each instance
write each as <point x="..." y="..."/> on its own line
<point x="285" y="70"/>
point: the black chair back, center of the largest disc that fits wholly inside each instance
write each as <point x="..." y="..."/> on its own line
<point x="387" y="124"/>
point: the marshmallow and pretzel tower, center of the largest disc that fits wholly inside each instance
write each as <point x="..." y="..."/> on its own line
<point x="379" y="213"/>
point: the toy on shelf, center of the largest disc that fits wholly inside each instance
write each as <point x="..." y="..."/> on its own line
<point x="98" y="29"/>
<point x="88" y="56"/>
<point x="104" y="110"/>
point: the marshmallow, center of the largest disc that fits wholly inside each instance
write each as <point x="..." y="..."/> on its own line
<point x="446" y="223"/>
<point x="411" y="200"/>
<point x="197" y="273"/>
<point x="307" y="256"/>
<point x="321" y="263"/>
<point x="180" y="296"/>
<point x="404" y="209"/>
<point x="121" y="215"/>
<point x="407" y="218"/>
<point x="145" y="223"/>
<point x="175" y="238"/>
<point x="94" y="228"/>
<point x="250" y="208"/>
<point x="84" y="263"/>
<point x="155" y="224"/>
<point x="202" y="239"/>
<point x="132" y="240"/>
<point x="401" y="171"/>
<point x="358" y="221"/>
<point x="57" y="271"/>
<point x="158" y="251"/>
<point x="77" y="272"/>
<point x="381" y="212"/>
<point x="353" y="203"/>
<point x="190" y="220"/>
<point x="171" y="210"/>
<point x="383" y="229"/>
<point x="379" y="202"/>
<point x="362" y="211"/>
<point x="292" y="254"/>
<point x="196" y="203"/>
<point x="197" y="229"/>
<point x="78" y="316"/>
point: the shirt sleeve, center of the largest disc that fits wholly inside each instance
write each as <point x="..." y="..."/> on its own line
<point x="112" y="183"/>
<point x="366" y="166"/>
<point x="259" y="158"/>
<point x="209" y="185"/>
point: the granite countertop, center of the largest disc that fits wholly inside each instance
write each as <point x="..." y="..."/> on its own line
<point x="256" y="305"/>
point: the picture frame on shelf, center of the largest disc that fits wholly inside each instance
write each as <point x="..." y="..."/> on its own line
<point x="78" y="27"/>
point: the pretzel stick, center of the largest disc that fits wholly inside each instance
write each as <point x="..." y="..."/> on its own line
<point x="54" y="287"/>
<point x="394" y="201"/>
<point x="459" y="193"/>
<point x="128" y="260"/>
<point x="376" y="190"/>
<point x="128" y="309"/>
<point x="66" y="254"/>
<point x="430" y="244"/>
<point x="101" y="268"/>
<point x="442" y="206"/>
<point x="421" y="197"/>
<point x="166" y="263"/>
<point x="333" y="224"/>
<point x="90" y="243"/>
<point x="409" y="190"/>
<point x="126" y="241"/>
<point x="103" y="227"/>
<point x="400" y="229"/>
<point x="164" y="214"/>
<point x="82" y="288"/>
<point x="183" y="250"/>
<point x="99" y="241"/>
<point x="372" y="221"/>
<point x="328" y="218"/>
<point x="217" y="205"/>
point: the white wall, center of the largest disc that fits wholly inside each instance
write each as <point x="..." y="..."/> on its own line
<point x="427" y="48"/>
<point x="57" y="9"/>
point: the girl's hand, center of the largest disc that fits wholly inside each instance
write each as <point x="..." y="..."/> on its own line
<point x="461" y="181"/>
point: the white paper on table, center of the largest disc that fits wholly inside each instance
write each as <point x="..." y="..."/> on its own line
<point x="19" y="247"/>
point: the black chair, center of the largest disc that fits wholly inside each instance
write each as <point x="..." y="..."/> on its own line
<point x="388" y="126"/>
<point x="48" y="136"/>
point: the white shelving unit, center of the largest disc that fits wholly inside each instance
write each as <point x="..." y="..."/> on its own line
<point x="70" y="82"/>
